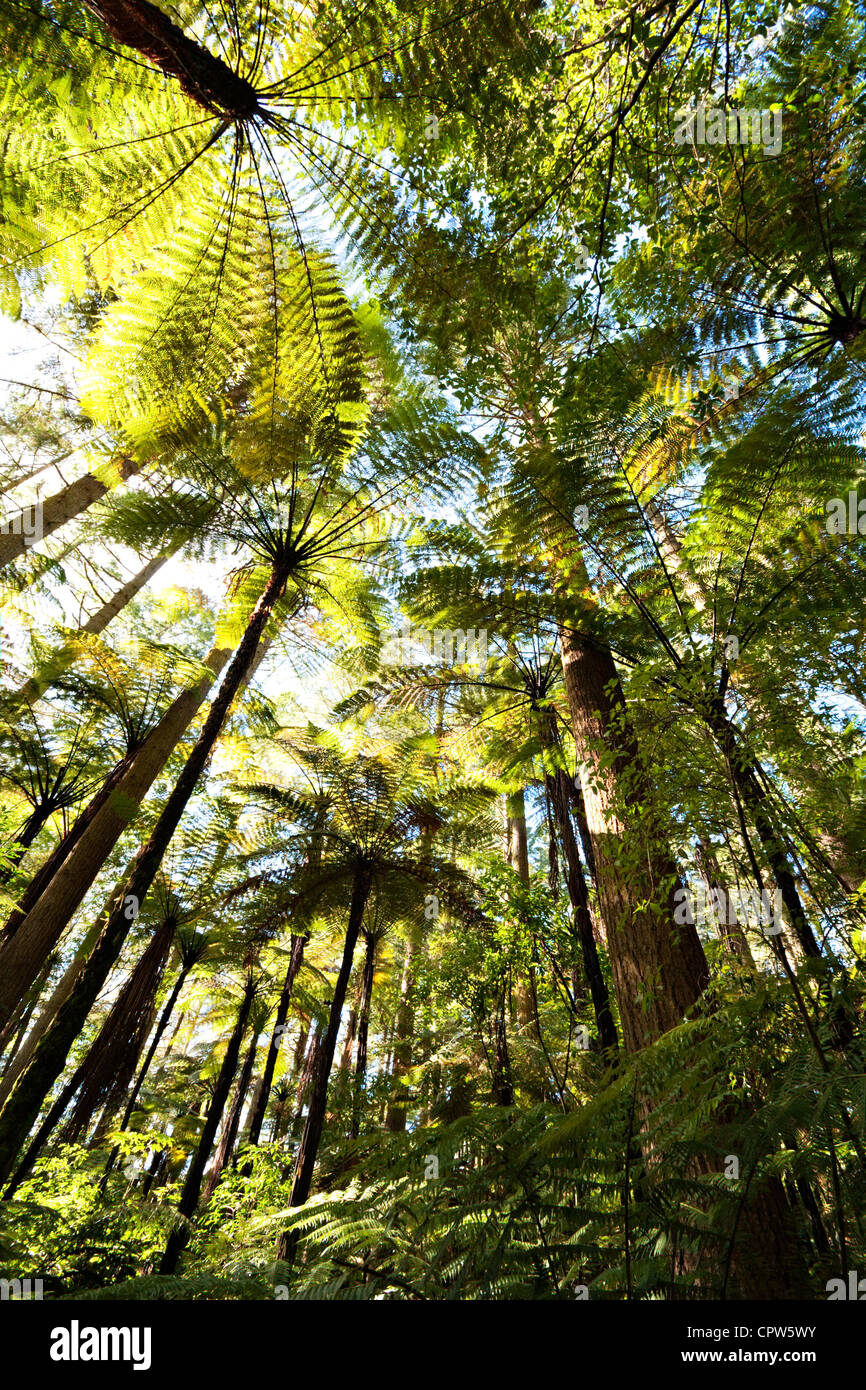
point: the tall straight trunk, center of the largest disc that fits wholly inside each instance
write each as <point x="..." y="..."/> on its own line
<point x="192" y="1185"/>
<point x="578" y="810"/>
<point x="22" y="955"/>
<point x="404" y="1021"/>
<point x="518" y="843"/>
<point x="557" y="785"/>
<point x="21" y="1022"/>
<point x="49" y="1057"/>
<point x="309" y="1146"/>
<point x="63" y="506"/>
<point x="232" y="1124"/>
<point x="308" y="1071"/>
<point x="301" y="1044"/>
<point x="105" y="1071"/>
<point x="659" y="967"/>
<point x="518" y="858"/>
<point x="298" y="942"/>
<point x="503" y="1086"/>
<point x="363" y="1030"/>
<point x="351" y="1031"/>
<point x="208" y="80"/>
<point x="260" y="1105"/>
<point x="281" y="1116"/>
<point x="33" y="689"/>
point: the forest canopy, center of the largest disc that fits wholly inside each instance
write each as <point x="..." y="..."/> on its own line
<point x="432" y="700"/>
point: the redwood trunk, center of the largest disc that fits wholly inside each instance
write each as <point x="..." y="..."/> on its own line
<point x="659" y="967"/>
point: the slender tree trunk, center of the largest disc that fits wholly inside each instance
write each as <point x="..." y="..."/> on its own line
<point x="731" y="934"/>
<point x="192" y="1186"/>
<point x="577" y="891"/>
<point x="113" y="1055"/>
<point x="363" y="1030"/>
<point x="312" y="1134"/>
<point x="48" y="1060"/>
<point x="743" y="774"/>
<point x="518" y="843"/>
<point x="746" y="781"/>
<point x="21" y="1023"/>
<point x="48" y="1013"/>
<point x="308" y="1070"/>
<point x="33" y="689"/>
<point x="70" y="502"/>
<point x="395" y="1114"/>
<point x="110" y="1058"/>
<point x="351" y="1030"/>
<point x="503" y="1086"/>
<point x="232" y="1124"/>
<point x="296" y="957"/>
<point x="518" y="858"/>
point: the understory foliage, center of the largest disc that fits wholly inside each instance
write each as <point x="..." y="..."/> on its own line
<point x="432" y="757"/>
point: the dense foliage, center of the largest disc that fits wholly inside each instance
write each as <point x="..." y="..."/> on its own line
<point x="432" y="742"/>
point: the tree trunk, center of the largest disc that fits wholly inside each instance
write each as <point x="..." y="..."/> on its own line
<point x="114" y="1054"/>
<point x="149" y="1056"/>
<point x="731" y="934"/>
<point x="577" y="891"/>
<point x="209" y="81"/>
<point x="746" y="780"/>
<point x="518" y="858"/>
<point x="48" y="1013"/>
<point x="70" y="502"/>
<point x="22" y="842"/>
<point x="22" y="955"/>
<point x="503" y="1087"/>
<point x="49" y="1058"/>
<point x="312" y="1134"/>
<point x="35" y="688"/>
<point x="404" y="1020"/>
<point x="232" y="1124"/>
<point x="743" y="774"/>
<point x="192" y="1186"/>
<point x="308" y="1070"/>
<point x="363" y="1030"/>
<point x="659" y="968"/>
<point x="260" y="1105"/>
